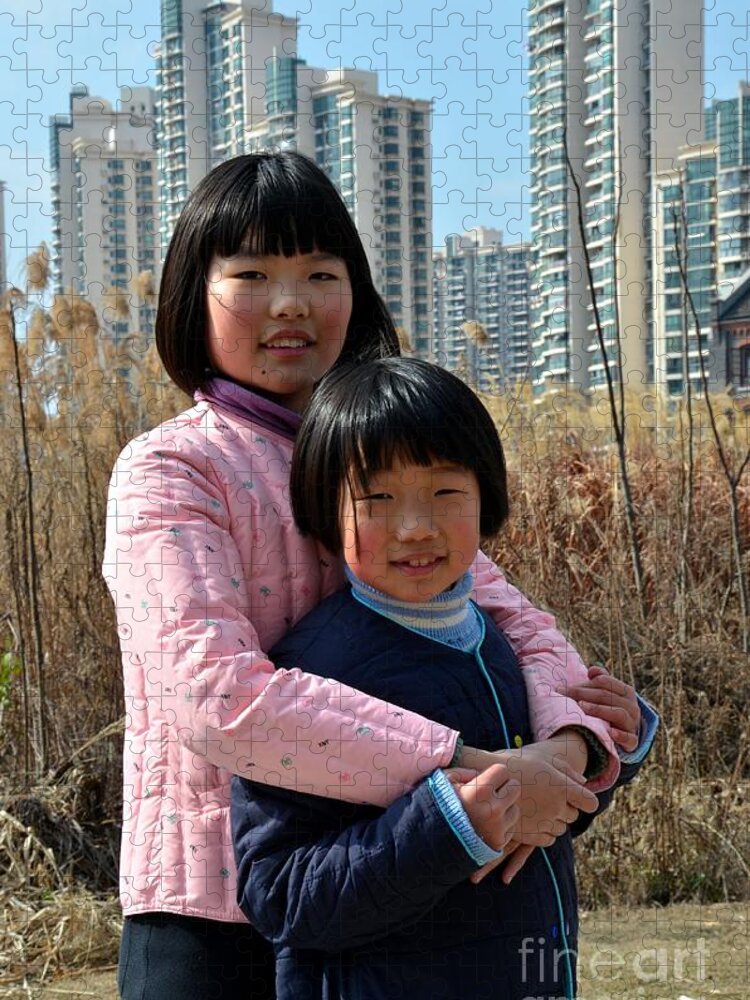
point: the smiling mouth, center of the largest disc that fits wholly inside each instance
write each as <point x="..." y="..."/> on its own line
<point x="418" y="565"/>
<point x="288" y="342"/>
<point x="288" y="347"/>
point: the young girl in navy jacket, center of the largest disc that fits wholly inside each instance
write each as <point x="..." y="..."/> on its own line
<point x="399" y="467"/>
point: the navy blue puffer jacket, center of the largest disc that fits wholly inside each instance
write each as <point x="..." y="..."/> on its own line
<point x="368" y="903"/>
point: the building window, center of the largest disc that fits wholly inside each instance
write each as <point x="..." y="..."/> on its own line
<point x="743" y="365"/>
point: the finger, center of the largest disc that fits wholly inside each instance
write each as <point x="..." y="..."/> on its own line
<point x="610" y="683"/>
<point x="621" y="689"/>
<point x="628" y="741"/>
<point x="493" y="788"/>
<point x="582" y="799"/>
<point x="616" y="716"/>
<point x="601" y="696"/>
<point x="570" y="815"/>
<point x="483" y="872"/>
<point x="565" y="768"/>
<point x="499" y="826"/>
<point x="516" y="863"/>
<point x="460" y="775"/>
<point x="597" y="669"/>
<point x="494" y="776"/>
<point x="512" y="817"/>
<point x="505" y="821"/>
<point x="552" y="827"/>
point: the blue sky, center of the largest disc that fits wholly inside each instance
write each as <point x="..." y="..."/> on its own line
<point x="471" y="63"/>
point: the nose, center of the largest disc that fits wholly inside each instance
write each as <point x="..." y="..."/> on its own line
<point x="287" y="304"/>
<point x="416" y="528"/>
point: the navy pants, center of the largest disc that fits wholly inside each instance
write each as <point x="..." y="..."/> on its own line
<point x="165" y="956"/>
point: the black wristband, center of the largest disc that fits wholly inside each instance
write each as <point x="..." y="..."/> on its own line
<point x="457" y="753"/>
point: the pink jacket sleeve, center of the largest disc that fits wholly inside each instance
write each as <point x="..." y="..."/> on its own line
<point x="194" y="669"/>
<point x="549" y="663"/>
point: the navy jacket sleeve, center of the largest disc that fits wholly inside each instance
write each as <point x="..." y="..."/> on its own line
<point x="310" y="875"/>
<point x="630" y="766"/>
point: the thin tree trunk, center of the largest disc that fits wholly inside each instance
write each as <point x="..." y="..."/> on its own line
<point x="688" y="450"/>
<point x="629" y="505"/>
<point x="732" y="478"/>
<point x="40" y="706"/>
<point x="16" y="589"/>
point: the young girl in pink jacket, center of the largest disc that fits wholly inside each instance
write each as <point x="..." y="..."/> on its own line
<point x="265" y="287"/>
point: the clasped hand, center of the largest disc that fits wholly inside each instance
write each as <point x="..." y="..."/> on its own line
<point x="523" y="799"/>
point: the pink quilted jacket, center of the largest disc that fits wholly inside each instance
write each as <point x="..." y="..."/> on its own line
<point x="207" y="570"/>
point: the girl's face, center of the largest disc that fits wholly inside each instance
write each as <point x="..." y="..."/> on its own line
<point x="414" y="531"/>
<point x="277" y="323"/>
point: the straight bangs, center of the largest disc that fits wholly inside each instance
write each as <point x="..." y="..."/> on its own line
<point x="377" y="449"/>
<point x="363" y="417"/>
<point x="261" y="204"/>
<point x="287" y="212"/>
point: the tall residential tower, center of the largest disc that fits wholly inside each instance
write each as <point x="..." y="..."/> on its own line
<point x="105" y="225"/>
<point x="480" y="308"/>
<point x="618" y="83"/>
<point x="230" y="82"/>
<point x="702" y="246"/>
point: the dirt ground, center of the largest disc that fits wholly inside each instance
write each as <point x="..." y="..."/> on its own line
<point x="672" y="953"/>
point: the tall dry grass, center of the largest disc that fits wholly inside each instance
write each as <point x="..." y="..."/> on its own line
<point x="681" y="833"/>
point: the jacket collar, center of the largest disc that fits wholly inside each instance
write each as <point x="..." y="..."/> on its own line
<point x="249" y="405"/>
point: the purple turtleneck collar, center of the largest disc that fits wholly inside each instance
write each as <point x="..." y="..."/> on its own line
<point x="249" y="405"/>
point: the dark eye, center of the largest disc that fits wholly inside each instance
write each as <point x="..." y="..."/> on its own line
<point x="249" y="275"/>
<point x="447" y="492"/>
<point x="376" y="496"/>
<point x="324" y="276"/>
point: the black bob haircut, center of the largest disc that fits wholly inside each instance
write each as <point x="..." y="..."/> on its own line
<point x="264" y="203"/>
<point x="362" y="417"/>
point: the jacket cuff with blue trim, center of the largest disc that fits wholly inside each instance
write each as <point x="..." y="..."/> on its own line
<point x="447" y="800"/>
<point x="650" y="722"/>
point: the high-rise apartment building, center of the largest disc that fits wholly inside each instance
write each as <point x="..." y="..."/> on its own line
<point x="211" y="72"/>
<point x="515" y="343"/>
<point x="376" y="150"/>
<point x="480" y="308"/>
<point x="230" y="82"/>
<point x="620" y="85"/>
<point x="105" y="218"/>
<point x="702" y="232"/>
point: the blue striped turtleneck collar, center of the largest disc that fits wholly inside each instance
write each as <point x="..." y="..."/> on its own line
<point x="449" y="617"/>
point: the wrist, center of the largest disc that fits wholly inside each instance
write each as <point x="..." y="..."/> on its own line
<point x="573" y="746"/>
<point x="476" y="760"/>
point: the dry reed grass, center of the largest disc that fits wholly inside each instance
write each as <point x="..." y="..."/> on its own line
<point x="682" y="833"/>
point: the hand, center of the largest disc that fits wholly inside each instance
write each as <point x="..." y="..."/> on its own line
<point x="614" y="701"/>
<point x="552" y="790"/>
<point x="514" y="858"/>
<point x="490" y="799"/>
